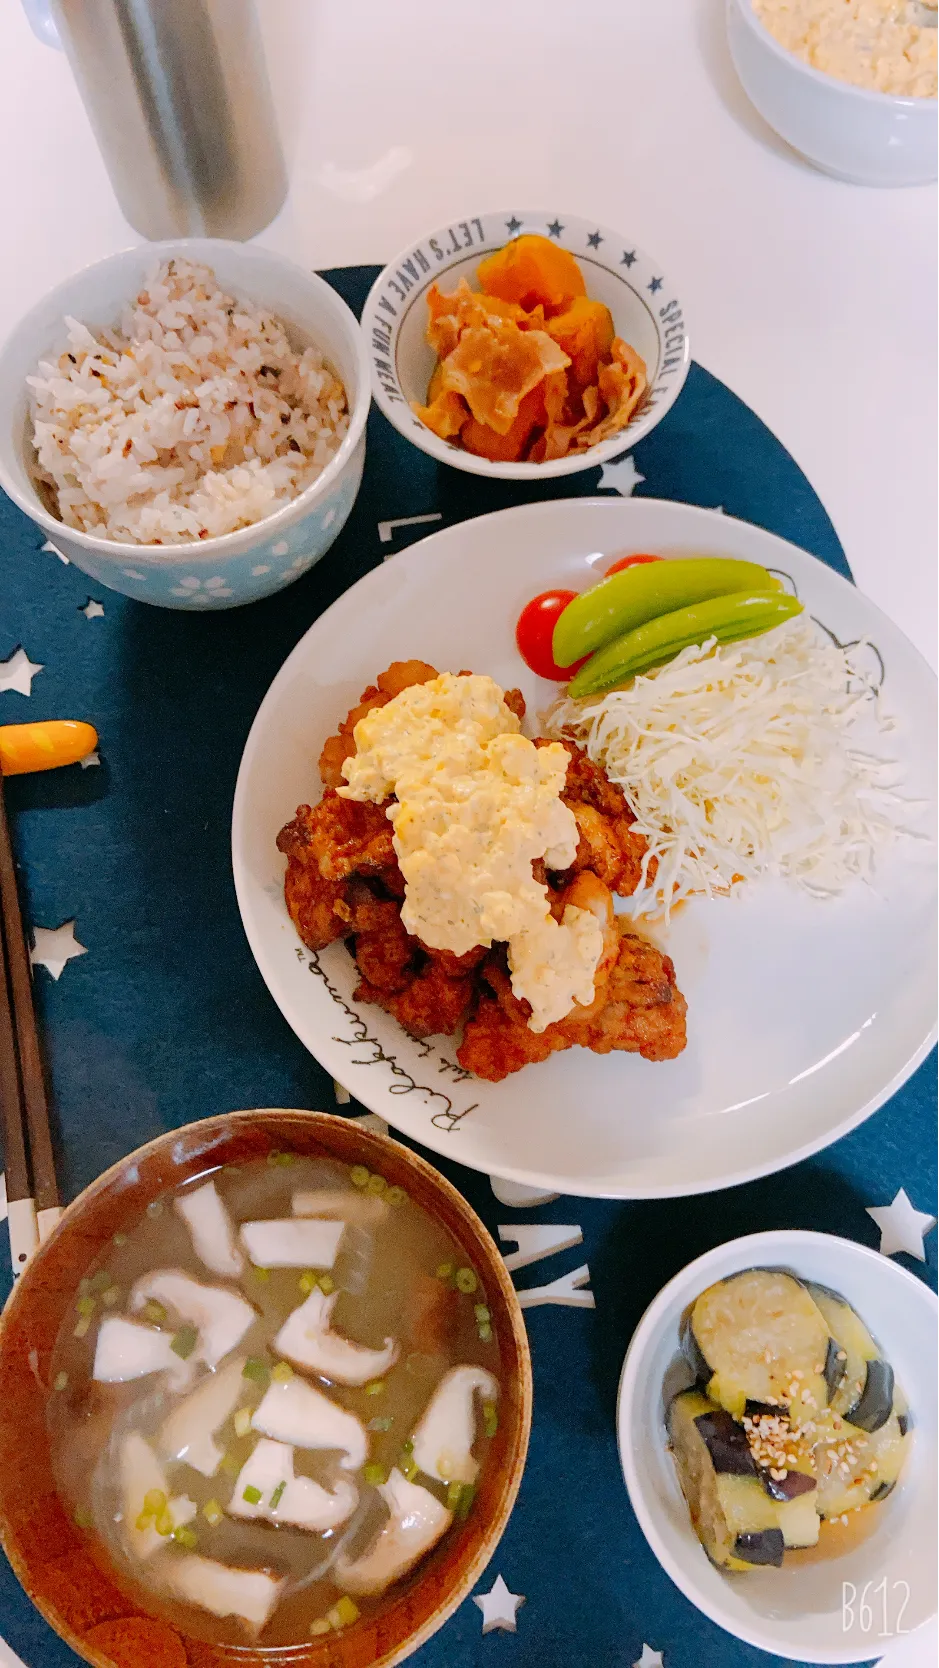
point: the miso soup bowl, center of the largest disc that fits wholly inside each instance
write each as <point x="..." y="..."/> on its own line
<point x="845" y="1609"/>
<point x="63" y="1570"/>
<point x="642" y="299"/>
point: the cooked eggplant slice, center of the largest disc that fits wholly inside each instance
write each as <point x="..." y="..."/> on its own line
<point x="726" y="1443"/>
<point x="864" y="1393"/>
<point x="730" y="1503"/>
<point x="855" y="1467"/>
<point x="765" y="1547"/>
<point x="875" y="1403"/>
<point x="762" y="1338"/>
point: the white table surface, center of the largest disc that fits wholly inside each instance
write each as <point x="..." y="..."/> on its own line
<point x="815" y="301"/>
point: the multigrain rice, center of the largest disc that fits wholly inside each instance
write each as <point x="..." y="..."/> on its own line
<point x="193" y="417"/>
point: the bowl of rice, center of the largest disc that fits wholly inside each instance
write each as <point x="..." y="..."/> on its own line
<point x="186" y="421"/>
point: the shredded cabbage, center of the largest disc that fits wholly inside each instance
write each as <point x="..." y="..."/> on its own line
<point x="747" y="759"/>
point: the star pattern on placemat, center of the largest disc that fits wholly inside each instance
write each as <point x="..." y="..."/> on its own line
<point x="17" y="673"/>
<point x="89" y="760"/>
<point x="54" y="946"/>
<point x="901" y="1227"/>
<point x="499" y="1606"/>
<point x="621" y="475"/>
<point x="649" y="1658"/>
<point x="93" y="610"/>
<point x="54" y="550"/>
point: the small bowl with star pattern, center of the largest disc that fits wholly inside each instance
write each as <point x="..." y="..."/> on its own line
<point x="226" y="569"/>
<point x="501" y="377"/>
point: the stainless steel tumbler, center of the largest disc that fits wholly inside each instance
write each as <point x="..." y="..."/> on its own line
<point x="178" y="96"/>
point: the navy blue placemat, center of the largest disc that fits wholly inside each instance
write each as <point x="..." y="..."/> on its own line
<point x="166" y="1018"/>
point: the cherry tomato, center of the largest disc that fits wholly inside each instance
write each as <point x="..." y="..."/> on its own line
<point x="535" y="630"/>
<point x="630" y="562"/>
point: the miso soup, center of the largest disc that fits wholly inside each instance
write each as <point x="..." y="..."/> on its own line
<point x="273" y="1397"/>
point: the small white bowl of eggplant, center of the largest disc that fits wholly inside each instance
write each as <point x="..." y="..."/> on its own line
<point x="778" y="1434"/>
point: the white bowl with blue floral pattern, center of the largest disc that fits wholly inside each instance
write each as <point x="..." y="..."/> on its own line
<point x="647" y="313"/>
<point x="237" y="567"/>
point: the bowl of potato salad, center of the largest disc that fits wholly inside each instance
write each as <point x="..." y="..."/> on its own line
<point x="850" y="84"/>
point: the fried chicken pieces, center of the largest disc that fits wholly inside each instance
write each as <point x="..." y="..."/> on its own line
<point x="343" y="881"/>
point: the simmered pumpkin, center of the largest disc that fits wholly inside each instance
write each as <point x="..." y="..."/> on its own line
<point x="528" y="367"/>
<point x="532" y="269"/>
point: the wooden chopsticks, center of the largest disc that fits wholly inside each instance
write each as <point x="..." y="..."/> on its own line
<point x="32" y="1189"/>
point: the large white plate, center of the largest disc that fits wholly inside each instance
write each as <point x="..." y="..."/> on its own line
<point x="803" y="1016"/>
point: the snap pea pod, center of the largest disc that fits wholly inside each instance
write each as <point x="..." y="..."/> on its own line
<point x="628" y="599"/>
<point x="742" y="614"/>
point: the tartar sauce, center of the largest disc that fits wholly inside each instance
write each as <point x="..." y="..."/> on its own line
<point x="476" y="803"/>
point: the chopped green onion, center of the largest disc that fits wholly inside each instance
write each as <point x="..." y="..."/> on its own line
<point x="376" y="1388"/>
<point x="343" y="1614"/>
<point x="490" y="1418"/>
<point x="467" y="1496"/>
<point x="144" y="1521"/>
<point x="376" y="1184"/>
<point x="282" y="1373"/>
<point x="321" y="1625"/>
<point x="444" y="1271"/>
<point x="184" y="1342"/>
<point x="242" y="1421"/>
<point x="60" y="1381"/>
<point x="154" y="1502"/>
<point x="229" y="1465"/>
<point x="256" y="1369"/>
<point x="252" y="1495"/>
<point x="396" y="1196"/>
<point x="454" y="1493"/>
<point x="164" y="1524"/>
<point x="379" y="1424"/>
<point x="278" y="1495"/>
<point x="485" y="1334"/>
<point x="481" y="1312"/>
<point x="212" y="1512"/>
<point x="326" y="1284"/>
<point x="282" y="1159"/>
<point x="83" y="1326"/>
<point x="358" y="1175"/>
<point x="465" y="1280"/>
<point x="186" y="1537"/>
<point x="119" y="1239"/>
<point x="407" y="1468"/>
<point x="83" y="1517"/>
<point x="260" y="1273"/>
<point x="307" y="1282"/>
<point x="154" y="1313"/>
<point x="86" y="1305"/>
<point x="100" y="1281"/>
<point x="111" y="1296"/>
<point x="375" y="1474"/>
<point x="408" y="1446"/>
<point x="155" y="1208"/>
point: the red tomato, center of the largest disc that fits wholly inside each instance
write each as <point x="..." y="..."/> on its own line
<point x="535" y="630"/>
<point x="630" y="562"/>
